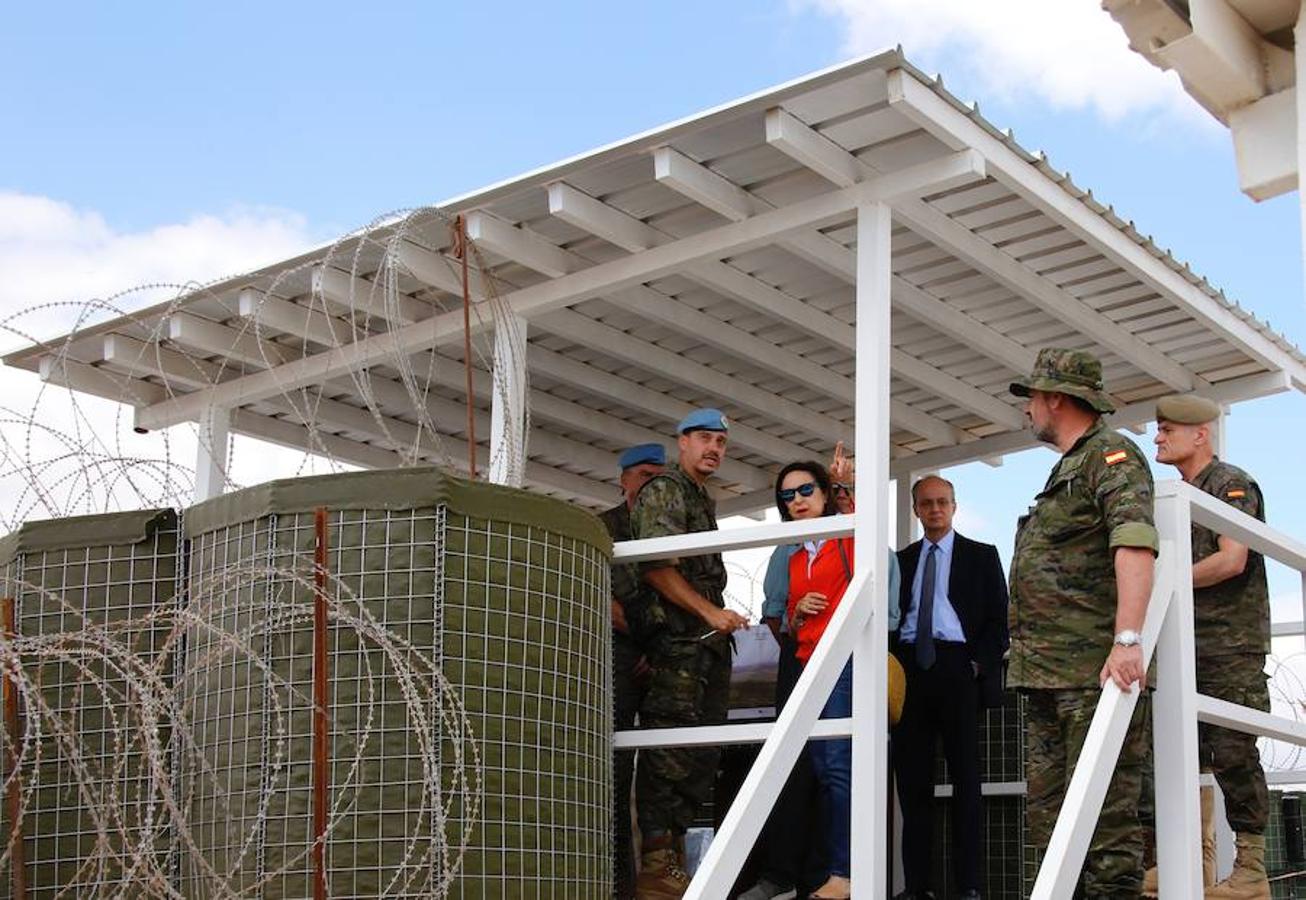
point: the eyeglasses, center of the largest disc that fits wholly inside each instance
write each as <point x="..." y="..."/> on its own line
<point x="787" y="495"/>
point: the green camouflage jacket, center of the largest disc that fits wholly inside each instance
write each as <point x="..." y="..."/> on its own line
<point x="627" y="587"/>
<point x="674" y="503"/>
<point x="1233" y="616"/>
<point x="1063" y="587"/>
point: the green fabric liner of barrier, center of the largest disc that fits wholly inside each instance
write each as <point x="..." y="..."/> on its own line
<point x="399" y="489"/>
<point x="106" y="529"/>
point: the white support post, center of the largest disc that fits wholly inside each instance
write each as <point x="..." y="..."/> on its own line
<point x="904" y="521"/>
<point x="508" y="413"/>
<point x="211" y="453"/>
<point x="1299" y="35"/>
<point x="1174" y="714"/>
<point x="871" y="531"/>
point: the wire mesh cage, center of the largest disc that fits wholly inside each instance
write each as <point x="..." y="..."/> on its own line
<point x="468" y="691"/>
<point x="89" y="603"/>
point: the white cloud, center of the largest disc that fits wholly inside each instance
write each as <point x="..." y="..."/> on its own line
<point x="1067" y="53"/>
<point x="53" y="252"/>
<point x="82" y="455"/>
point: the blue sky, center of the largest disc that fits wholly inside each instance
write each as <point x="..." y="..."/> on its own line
<point x="166" y="130"/>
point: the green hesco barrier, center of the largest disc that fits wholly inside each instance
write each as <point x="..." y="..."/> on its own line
<point x="469" y="700"/>
<point x="94" y="597"/>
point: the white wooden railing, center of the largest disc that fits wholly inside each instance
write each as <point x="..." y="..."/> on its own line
<point x="1177" y="707"/>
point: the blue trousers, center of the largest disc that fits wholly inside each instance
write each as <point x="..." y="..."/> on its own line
<point x="832" y="763"/>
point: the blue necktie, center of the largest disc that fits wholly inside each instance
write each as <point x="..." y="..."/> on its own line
<point x="925" y="613"/>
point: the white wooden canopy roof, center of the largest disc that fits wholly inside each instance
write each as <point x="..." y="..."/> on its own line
<point x="709" y="262"/>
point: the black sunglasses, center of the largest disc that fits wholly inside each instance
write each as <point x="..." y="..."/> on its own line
<point x="787" y="495"/>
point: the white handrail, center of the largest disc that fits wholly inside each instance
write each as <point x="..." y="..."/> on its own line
<point x="1179" y="707"/>
<point x="701" y="543"/>
<point x="1220" y="517"/>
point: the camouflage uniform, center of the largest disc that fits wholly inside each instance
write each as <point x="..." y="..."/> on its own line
<point x="1232" y="634"/>
<point x="627" y="692"/>
<point x="690" y="684"/>
<point x="1062" y="618"/>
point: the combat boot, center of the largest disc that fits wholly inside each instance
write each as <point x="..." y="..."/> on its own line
<point x="1247" y="881"/>
<point x="661" y="876"/>
<point x="1207" y="801"/>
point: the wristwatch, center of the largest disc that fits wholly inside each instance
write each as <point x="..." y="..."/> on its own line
<point x="1128" y="638"/>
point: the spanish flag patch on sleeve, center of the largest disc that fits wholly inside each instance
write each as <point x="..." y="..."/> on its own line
<point x="1114" y="456"/>
<point x="1236" y="494"/>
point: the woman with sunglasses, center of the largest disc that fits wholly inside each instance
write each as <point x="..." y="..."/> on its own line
<point x="819" y="574"/>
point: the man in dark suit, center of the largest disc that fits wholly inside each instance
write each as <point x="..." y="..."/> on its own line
<point x="950" y="643"/>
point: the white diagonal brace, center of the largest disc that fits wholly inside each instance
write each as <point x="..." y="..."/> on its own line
<point x="804" y="144"/>
<point x="601" y="220"/>
<point x="240" y="345"/>
<point x="290" y="318"/>
<point x="519" y="245"/>
<point x="813" y="150"/>
<point x="705" y="187"/>
<point x="528" y="301"/>
<point x="79" y="376"/>
<point x="140" y="359"/>
<point x="438" y="271"/>
<point x="346" y="294"/>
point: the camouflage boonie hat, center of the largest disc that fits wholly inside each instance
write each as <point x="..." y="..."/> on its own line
<point x="1074" y="372"/>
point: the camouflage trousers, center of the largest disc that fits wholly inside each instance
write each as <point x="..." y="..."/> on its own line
<point x="1232" y="755"/>
<point x="690" y="685"/>
<point x="627" y="694"/>
<point x="1056" y="726"/>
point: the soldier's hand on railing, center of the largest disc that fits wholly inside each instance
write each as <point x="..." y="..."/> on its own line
<point x="1124" y="666"/>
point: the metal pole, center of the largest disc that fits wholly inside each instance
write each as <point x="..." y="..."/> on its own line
<point x="14" y="798"/>
<point x="321" y="756"/>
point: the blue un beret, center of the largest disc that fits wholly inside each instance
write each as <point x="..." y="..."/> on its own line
<point x="707" y="419"/>
<point x="642" y="453"/>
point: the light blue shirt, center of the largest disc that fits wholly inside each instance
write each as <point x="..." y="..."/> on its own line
<point x="775" y="586"/>
<point x="947" y="626"/>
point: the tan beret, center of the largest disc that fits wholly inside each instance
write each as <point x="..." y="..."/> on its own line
<point x="1187" y="409"/>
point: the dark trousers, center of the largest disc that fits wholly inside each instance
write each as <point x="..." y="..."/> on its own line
<point x="792" y="842"/>
<point x="690" y="685"/>
<point x="627" y="694"/>
<point x="942" y="702"/>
